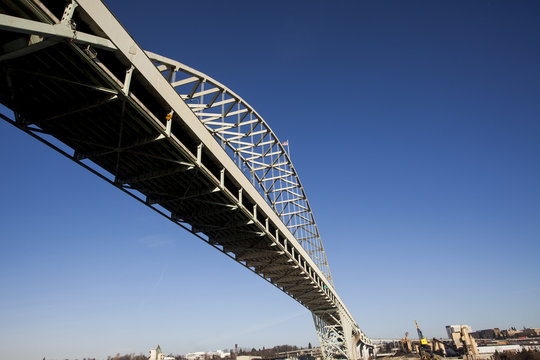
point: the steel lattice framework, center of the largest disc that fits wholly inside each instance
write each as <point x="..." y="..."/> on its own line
<point x="176" y="140"/>
<point x="249" y="139"/>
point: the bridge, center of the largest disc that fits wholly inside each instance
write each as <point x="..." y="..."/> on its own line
<point x="174" y="139"/>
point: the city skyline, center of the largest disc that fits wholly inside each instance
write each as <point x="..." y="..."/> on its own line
<point x="414" y="129"/>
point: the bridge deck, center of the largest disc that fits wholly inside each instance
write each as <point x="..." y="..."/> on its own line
<point x="95" y="106"/>
<point x="59" y="91"/>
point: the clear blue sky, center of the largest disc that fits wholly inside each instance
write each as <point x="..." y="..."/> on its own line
<point x="415" y="128"/>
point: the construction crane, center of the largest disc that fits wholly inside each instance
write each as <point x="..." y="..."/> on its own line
<point x="423" y="343"/>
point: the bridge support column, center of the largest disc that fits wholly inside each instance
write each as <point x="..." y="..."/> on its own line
<point x="365" y="351"/>
<point x="339" y="337"/>
<point x="336" y="335"/>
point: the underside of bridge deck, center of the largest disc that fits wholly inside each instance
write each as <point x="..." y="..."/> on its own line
<point x="76" y="90"/>
<point x="59" y="94"/>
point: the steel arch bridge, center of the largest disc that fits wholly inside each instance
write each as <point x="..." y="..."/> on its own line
<point x="173" y="138"/>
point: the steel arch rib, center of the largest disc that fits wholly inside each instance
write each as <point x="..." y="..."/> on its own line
<point x="295" y="210"/>
<point x="237" y="137"/>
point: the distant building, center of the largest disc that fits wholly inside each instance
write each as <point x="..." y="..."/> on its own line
<point x="201" y="355"/>
<point x="460" y="335"/>
<point x="494" y="333"/>
<point x="157" y="354"/>
<point x="514" y="333"/>
<point x="497" y="333"/>
<point x="221" y="354"/>
<point x="499" y="348"/>
<point x="450" y="329"/>
<point x="247" y="357"/>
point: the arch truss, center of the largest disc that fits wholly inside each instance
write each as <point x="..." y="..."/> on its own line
<point x="247" y="138"/>
<point x="210" y="164"/>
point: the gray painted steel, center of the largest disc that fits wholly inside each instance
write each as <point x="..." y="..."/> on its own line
<point x="173" y="138"/>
